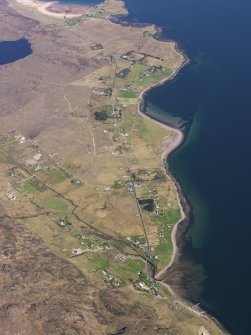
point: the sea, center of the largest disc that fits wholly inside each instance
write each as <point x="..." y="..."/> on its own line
<point x="210" y="100"/>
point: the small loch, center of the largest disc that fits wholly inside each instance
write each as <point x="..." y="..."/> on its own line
<point x="11" y="51"/>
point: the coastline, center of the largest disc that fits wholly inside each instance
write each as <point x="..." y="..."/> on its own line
<point x="43" y="7"/>
<point x="182" y="201"/>
<point x="55" y="9"/>
<point x="176" y="142"/>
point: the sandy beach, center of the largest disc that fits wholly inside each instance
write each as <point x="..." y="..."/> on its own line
<point x="55" y="9"/>
<point x="176" y="142"/>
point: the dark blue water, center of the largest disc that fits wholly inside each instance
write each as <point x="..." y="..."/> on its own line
<point x="213" y="97"/>
<point x="11" y="51"/>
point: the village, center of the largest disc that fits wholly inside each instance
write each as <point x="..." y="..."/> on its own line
<point x="42" y="173"/>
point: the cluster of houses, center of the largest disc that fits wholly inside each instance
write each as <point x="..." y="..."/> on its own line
<point x="137" y="243"/>
<point x="147" y="284"/>
<point x="107" y="92"/>
<point x="162" y="230"/>
<point x="20" y="139"/>
<point x="108" y="278"/>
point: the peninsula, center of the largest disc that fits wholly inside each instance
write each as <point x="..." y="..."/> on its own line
<point x="88" y="212"/>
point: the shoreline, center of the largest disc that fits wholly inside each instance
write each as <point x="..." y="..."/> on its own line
<point x="176" y="142"/>
<point x="55" y="9"/>
<point x="43" y="7"/>
<point x="182" y="201"/>
<point x="184" y="205"/>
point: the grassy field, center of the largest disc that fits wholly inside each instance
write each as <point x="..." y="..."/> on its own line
<point x="128" y="94"/>
<point x="32" y="187"/>
<point x="56" y="204"/>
